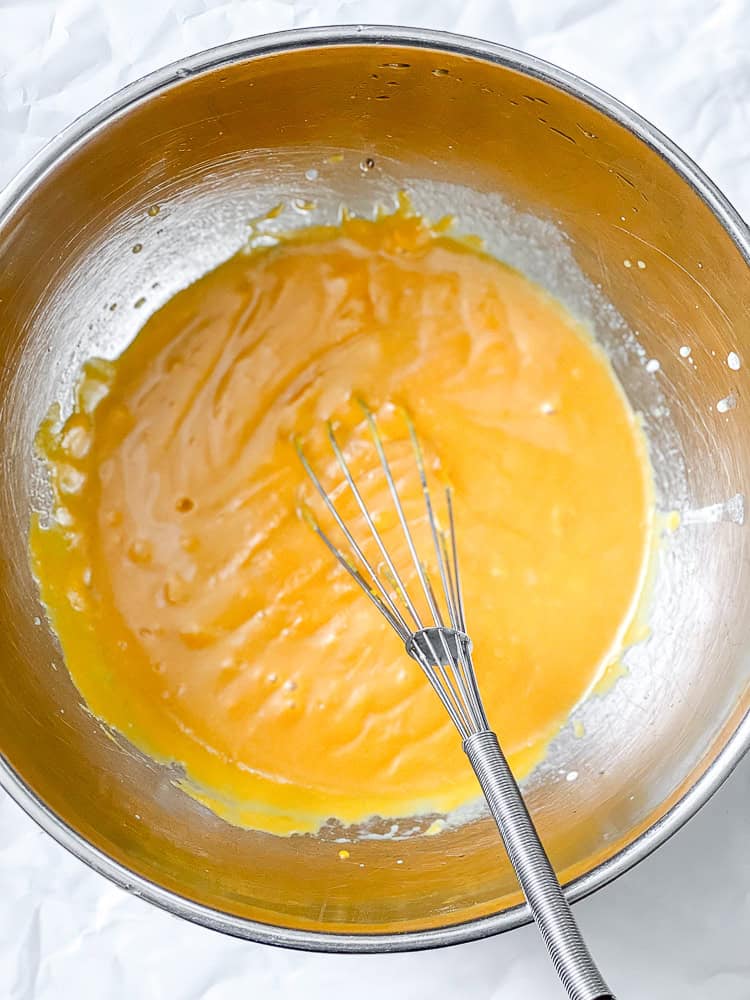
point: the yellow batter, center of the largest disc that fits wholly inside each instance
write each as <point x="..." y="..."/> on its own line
<point x="202" y="618"/>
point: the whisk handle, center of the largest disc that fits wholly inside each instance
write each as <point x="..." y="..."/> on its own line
<point x="570" y="956"/>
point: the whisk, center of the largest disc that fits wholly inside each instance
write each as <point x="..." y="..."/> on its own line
<point x="438" y="640"/>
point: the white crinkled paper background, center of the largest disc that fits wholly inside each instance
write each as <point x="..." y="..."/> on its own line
<point x="678" y="926"/>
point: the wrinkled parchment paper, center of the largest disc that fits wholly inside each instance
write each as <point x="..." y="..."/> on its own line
<point x="676" y="927"/>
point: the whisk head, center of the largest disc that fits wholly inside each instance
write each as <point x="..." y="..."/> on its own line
<point x="432" y="624"/>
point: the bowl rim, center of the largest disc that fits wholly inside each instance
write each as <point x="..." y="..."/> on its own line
<point x="737" y="743"/>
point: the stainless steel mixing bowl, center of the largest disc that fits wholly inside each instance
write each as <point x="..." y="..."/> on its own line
<point x="560" y="179"/>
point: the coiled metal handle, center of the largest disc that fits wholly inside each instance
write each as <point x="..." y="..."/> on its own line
<point x="575" y="966"/>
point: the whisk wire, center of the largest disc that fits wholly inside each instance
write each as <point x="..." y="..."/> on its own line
<point x="454" y="551"/>
<point x="442" y="682"/>
<point x="452" y="587"/>
<point x="433" y="524"/>
<point x="400" y="512"/>
<point x="369" y="520"/>
<point x="449" y="580"/>
<point x="382" y="599"/>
